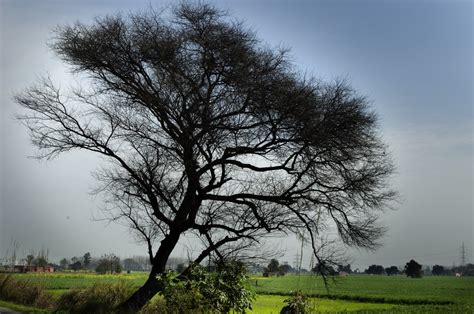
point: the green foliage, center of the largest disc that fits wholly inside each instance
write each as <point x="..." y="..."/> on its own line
<point x="181" y="267"/>
<point x="431" y="294"/>
<point x="296" y="304"/>
<point x="183" y="297"/>
<point x="159" y="306"/>
<point x="23" y="292"/>
<point x="100" y="298"/>
<point x="22" y="308"/>
<point x="231" y="282"/>
<point x="221" y="291"/>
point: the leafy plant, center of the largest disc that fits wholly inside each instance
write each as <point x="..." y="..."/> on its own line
<point x="296" y="304"/>
<point x="221" y="291"/>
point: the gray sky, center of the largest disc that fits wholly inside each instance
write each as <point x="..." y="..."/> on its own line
<point x="413" y="59"/>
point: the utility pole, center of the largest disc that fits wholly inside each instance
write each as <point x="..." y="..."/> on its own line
<point x="297" y="259"/>
<point x="299" y="255"/>
<point x="463" y="255"/>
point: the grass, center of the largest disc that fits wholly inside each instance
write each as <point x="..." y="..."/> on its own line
<point x="382" y="289"/>
<point x="267" y="304"/>
<point x="64" y="281"/>
<point x="356" y="293"/>
<point x="21" y="308"/>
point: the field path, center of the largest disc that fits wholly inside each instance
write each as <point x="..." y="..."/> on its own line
<point x="5" y="310"/>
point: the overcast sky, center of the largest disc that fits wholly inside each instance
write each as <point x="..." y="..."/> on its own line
<point x="413" y="59"/>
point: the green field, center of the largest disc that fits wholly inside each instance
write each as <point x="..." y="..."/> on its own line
<point x="63" y="281"/>
<point x="393" y="289"/>
<point x="353" y="293"/>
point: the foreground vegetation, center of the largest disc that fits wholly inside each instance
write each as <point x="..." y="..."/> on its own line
<point x="434" y="294"/>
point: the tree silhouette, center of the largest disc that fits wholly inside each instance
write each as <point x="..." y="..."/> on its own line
<point x="210" y="132"/>
<point x="438" y="270"/>
<point x="109" y="263"/>
<point x="392" y="270"/>
<point x="413" y="269"/>
<point x="273" y="266"/>
<point x="86" y="259"/>
<point x="64" y="263"/>
<point x="375" y="270"/>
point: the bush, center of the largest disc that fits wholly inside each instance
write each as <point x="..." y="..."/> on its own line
<point x="185" y="297"/>
<point x="296" y="304"/>
<point x="158" y="306"/>
<point x="24" y="292"/>
<point x="205" y="292"/>
<point x="100" y="298"/>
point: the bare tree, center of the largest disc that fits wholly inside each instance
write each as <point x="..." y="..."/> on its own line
<point x="209" y="131"/>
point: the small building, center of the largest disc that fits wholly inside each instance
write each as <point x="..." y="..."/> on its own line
<point x="33" y="269"/>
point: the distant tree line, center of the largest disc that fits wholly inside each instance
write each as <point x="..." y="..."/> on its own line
<point x="110" y="263"/>
<point x="274" y="268"/>
<point x="414" y="269"/>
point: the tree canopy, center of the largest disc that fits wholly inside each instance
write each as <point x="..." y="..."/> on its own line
<point x="375" y="270"/>
<point x="413" y="269"/>
<point x="392" y="270"/>
<point x="438" y="270"/>
<point x="209" y="131"/>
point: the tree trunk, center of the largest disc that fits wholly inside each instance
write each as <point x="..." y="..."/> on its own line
<point x="140" y="297"/>
<point x="152" y="286"/>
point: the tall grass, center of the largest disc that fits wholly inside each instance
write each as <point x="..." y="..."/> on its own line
<point x="100" y="298"/>
<point x="24" y="292"/>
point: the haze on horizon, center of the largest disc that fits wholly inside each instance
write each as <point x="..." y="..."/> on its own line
<point x="413" y="60"/>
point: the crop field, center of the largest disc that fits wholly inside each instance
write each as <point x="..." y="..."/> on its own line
<point x="356" y="293"/>
<point x="64" y="281"/>
<point x="364" y="293"/>
<point x="393" y="289"/>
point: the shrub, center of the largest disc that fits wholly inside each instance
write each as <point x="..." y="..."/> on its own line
<point x="185" y="297"/>
<point x="158" y="306"/>
<point x="205" y="292"/>
<point x="24" y="292"/>
<point x="100" y="298"/>
<point x="296" y="304"/>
